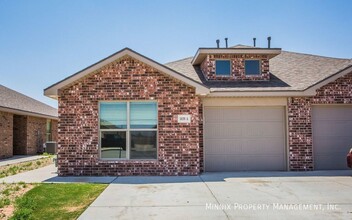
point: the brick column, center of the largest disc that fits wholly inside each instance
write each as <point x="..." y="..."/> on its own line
<point x="300" y="134"/>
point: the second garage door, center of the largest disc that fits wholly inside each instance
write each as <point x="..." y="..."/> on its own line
<point x="244" y="138"/>
<point x="332" y="136"/>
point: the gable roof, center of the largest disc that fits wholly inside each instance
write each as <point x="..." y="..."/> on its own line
<point x="52" y="91"/>
<point x="289" y="72"/>
<point x="18" y="103"/>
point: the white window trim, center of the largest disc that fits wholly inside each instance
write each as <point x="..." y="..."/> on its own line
<point x="260" y="68"/>
<point x="128" y="131"/>
<point x="230" y="67"/>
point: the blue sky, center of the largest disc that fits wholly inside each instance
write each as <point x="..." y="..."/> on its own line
<point x="42" y="42"/>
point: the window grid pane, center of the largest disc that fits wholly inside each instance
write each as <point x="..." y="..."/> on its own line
<point x="252" y="67"/>
<point x="222" y="67"/>
<point x="113" y="115"/>
<point x="143" y="145"/>
<point x="143" y="115"/>
<point x="113" y="144"/>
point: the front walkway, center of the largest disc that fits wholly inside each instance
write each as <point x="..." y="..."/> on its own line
<point x="19" y="159"/>
<point x="48" y="174"/>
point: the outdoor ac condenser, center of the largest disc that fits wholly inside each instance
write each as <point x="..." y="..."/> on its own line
<point x="51" y="147"/>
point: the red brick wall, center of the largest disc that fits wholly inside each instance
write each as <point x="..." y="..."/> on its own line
<point x="19" y="134"/>
<point x="300" y="122"/>
<point x="36" y="134"/>
<point x="6" y="138"/>
<point x="237" y="67"/>
<point x="128" y="79"/>
<point x="201" y="136"/>
<point x="54" y="130"/>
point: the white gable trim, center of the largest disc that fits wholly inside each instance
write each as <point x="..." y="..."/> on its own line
<point x="52" y="91"/>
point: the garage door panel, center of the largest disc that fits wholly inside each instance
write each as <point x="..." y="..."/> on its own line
<point x="222" y="162"/>
<point x="216" y="115"/>
<point x="223" y="146"/>
<point x="244" y="163"/>
<point x="264" y="162"/>
<point x="332" y="112"/>
<point x="342" y="128"/>
<point x="261" y="146"/>
<point x="324" y="162"/>
<point x="223" y="130"/>
<point x="263" y="129"/>
<point x="262" y="114"/>
<point x="330" y="145"/>
<point x="332" y="135"/>
<point x="244" y="138"/>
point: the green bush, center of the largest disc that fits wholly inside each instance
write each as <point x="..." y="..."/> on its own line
<point x="4" y="202"/>
<point x="24" y="208"/>
<point x="22" y="214"/>
<point x="6" y="192"/>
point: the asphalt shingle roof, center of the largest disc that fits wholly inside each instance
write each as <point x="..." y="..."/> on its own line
<point x="289" y="71"/>
<point x="18" y="101"/>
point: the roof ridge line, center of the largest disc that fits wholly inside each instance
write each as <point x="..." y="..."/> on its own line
<point x="315" y="55"/>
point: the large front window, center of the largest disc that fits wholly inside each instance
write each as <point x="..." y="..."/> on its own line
<point x="128" y="130"/>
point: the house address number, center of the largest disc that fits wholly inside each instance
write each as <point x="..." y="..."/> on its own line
<point x="184" y="119"/>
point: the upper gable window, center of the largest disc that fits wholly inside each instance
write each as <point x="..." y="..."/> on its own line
<point x="222" y="67"/>
<point x="252" y="67"/>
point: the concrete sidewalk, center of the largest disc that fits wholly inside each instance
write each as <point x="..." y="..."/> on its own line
<point x="19" y="159"/>
<point x="33" y="176"/>
<point x="48" y="174"/>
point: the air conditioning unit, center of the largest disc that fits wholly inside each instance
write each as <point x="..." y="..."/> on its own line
<point x="51" y="147"/>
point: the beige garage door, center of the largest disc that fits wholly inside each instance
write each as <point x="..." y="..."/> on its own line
<point x="332" y="136"/>
<point x="244" y="138"/>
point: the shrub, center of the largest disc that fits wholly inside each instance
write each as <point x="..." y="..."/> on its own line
<point x="24" y="208"/>
<point x="4" y="202"/>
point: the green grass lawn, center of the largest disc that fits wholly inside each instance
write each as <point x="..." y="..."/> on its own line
<point x="57" y="201"/>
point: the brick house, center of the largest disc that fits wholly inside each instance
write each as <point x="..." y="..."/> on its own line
<point x="25" y="124"/>
<point x="225" y="109"/>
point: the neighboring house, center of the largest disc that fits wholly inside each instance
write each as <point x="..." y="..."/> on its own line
<point x="25" y="124"/>
<point x="225" y="109"/>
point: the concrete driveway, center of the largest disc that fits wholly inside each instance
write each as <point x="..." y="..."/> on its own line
<point x="249" y="195"/>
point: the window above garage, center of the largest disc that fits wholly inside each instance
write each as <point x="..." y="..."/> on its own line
<point x="223" y="67"/>
<point x="252" y="67"/>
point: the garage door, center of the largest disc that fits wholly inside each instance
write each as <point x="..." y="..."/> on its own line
<point x="332" y="136"/>
<point x="244" y="138"/>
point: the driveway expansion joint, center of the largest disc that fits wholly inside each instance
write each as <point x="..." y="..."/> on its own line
<point x="227" y="216"/>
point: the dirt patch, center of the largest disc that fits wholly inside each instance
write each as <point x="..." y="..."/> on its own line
<point x="74" y="208"/>
<point x="9" y="193"/>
